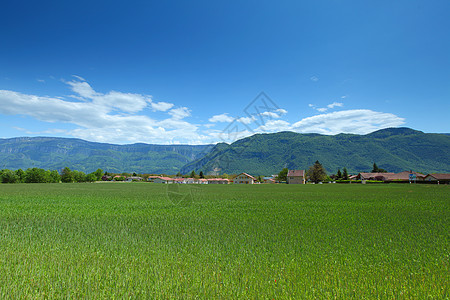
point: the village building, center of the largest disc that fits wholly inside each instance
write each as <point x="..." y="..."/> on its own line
<point x="218" y="181"/>
<point x="374" y="176"/>
<point x="268" y="180"/>
<point x="296" y="177"/>
<point x="134" y="178"/>
<point x="151" y="178"/>
<point x="405" y="176"/>
<point x="202" y="181"/>
<point x="244" y="178"/>
<point x="438" y="177"/>
<point x="161" y="179"/>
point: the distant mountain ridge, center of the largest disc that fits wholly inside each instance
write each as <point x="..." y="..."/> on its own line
<point x="393" y="149"/>
<point x="56" y="153"/>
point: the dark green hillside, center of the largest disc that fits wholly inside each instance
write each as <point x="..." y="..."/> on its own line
<point x="393" y="149"/>
<point x="57" y="153"/>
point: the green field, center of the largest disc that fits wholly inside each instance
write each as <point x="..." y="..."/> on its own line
<point x="119" y="240"/>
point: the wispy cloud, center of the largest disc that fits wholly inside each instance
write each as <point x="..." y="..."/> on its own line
<point x="314" y="78"/>
<point x="359" y="121"/>
<point x="113" y="117"/>
<point x="221" y="118"/>
<point x="118" y="117"/>
<point x="329" y="106"/>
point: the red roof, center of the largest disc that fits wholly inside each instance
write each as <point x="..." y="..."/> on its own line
<point x="296" y="173"/>
<point x="246" y="175"/>
<point x="440" y="176"/>
<point x="373" y="175"/>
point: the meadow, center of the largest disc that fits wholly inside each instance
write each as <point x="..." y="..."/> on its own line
<point x="144" y="240"/>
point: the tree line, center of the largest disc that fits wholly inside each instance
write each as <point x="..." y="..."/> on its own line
<point x="38" y="175"/>
<point x="317" y="173"/>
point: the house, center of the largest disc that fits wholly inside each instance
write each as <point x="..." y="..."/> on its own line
<point x="179" y="180"/>
<point x="438" y="177"/>
<point x="190" y="180"/>
<point x="296" y="177"/>
<point x="134" y="178"/>
<point x="268" y="180"/>
<point x="404" y="176"/>
<point x="244" y="178"/>
<point x="202" y="181"/>
<point x="218" y="181"/>
<point x="152" y="178"/>
<point x="374" y="176"/>
<point x="161" y="179"/>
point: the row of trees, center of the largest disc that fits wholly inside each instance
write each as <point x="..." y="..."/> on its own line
<point x="37" y="175"/>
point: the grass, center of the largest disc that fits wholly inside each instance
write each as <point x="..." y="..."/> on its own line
<point x="260" y="242"/>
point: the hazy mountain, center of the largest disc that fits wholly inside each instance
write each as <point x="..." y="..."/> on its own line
<point x="57" y="153"/>
<point x="393" y="149"/>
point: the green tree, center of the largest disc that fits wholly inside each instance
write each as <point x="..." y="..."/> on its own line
<point x="78" y="176"/>
<point x="201" y="174"/>
<point x="99" y="174"/>
<point x="317" y="172"/>
<point x="67" y="175"/>
<point x="54" y="176"/>
<point x="36" y="175"/>
<point x="345" y="174"/>
<point x="339" y="174"/>
<point x="21" y="175"/>
<point x="192" y="174"/>
<point x="375" y="169"/>
<point x="282" y="176"/>
<point x="91" y="177"/>
<point x="8" y="176"/>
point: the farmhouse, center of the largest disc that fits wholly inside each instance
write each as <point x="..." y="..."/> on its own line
<point x="218" y="181"/>
<point x="163" y="180"/>
<point x="268" y="180"/>
<point x="151" y="178"/>
<point x="404" y="176"/>
<point x="134" y="178"/>
<point x="438" y="177"/>
<point x="244" y="178"/>
<point x="296" y="177"/>
<point x="374" y="176"/>
<point x="202" y="181"/>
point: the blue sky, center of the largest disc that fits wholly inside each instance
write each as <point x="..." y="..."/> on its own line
<point x="193" y="71"/>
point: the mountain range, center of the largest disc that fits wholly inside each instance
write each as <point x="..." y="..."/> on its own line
<point x="56" y="153"/>
<point x="393" y="149"/>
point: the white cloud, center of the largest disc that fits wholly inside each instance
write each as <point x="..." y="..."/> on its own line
<point x="314" y="78"/>
<point x="221" y="118"/>
<point x="113" y="117"/>
<point x="180" y="113"/>
<point x="274" y="126"/>
<point x="79" y="78"/>
<point x="329" y="106"/>
<point x="161" y="106"/>
<point x="281" y="111"/>
<point x="40" y="80"/>
<point x="335" y="104"/>
<point x="360" y="121"/>
<point x="270" y="114"/>
<point x="246" y="120"/>
<point x="117" y="117"/>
